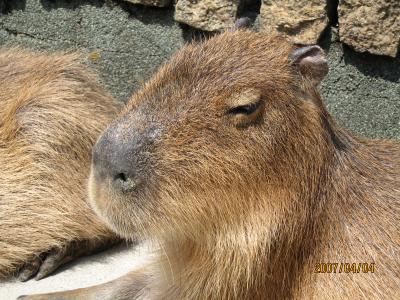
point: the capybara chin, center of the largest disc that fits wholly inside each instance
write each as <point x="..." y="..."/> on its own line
<point x="229" y="159"/>
<point x="51" y="112"/>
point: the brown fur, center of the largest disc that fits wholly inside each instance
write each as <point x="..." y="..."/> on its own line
<point x="246" y="210"/>
<point x="51" y="112"/>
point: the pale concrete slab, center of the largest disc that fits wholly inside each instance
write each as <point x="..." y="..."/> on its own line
<point x="83" y="272"/>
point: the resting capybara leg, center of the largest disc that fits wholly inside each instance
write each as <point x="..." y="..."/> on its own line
<point x="132" y="286"/>
<point x="29" y="269"/>
<point x="45" y="264"/>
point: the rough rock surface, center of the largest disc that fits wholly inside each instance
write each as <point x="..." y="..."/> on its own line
<point x="370" y="25"/>
<point x="302" y="21"/>
<point x="209" y="15"/>
<point x="159" y="3"/>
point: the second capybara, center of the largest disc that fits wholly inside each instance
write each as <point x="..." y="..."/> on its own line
<point x="229" y="160"/>
<point x="52" y="110"/>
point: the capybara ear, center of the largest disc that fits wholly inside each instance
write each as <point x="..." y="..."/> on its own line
<point x="311" y="62"/>
<point x="241" y="23"/>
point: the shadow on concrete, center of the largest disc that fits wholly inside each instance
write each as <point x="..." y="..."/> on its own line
<point x="163" y="16"/>
<point x="371" y="65"/>
<point x="145" y="14"/>
<point x="332" y="10"/>
<point x="249" y="8"/>
<point x="69" y="4"/>
<point x="327" y="38"/>
<point x="191" y="34"/>
<point x="8" y="6"/>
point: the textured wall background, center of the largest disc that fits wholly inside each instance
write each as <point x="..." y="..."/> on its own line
<point x="127" y="42"/>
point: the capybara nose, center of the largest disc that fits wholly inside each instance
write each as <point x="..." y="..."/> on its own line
<point x="124" y="182"/>
<point x="113" y="161"/>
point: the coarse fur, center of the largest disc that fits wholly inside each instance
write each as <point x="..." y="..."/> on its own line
<point x="244" y="207"/>
<point x="51" y="112"/>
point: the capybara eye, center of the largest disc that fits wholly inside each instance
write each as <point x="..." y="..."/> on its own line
<point x="247" y="109"/>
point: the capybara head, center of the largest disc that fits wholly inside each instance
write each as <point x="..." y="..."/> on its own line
<point x="222" y="129"/>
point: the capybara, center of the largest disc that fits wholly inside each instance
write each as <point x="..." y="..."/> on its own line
<point x="229" y="160"/>
<point x="51" y="112"/>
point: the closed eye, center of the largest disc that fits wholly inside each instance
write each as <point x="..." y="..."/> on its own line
<point x="247" y="109"/>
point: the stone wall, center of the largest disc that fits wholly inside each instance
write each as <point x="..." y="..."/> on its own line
<point x="366" y="25"/>
<point x="126" y="42"/>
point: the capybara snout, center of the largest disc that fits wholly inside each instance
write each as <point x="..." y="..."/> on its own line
<point x="122" y="154"/>
<point x="113" y="159"/>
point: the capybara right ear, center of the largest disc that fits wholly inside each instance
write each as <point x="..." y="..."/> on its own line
<point x="310" y="62"/>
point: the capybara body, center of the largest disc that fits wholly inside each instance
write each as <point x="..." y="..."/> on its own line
<point x="51" y="112"/>
<point x="229" y="159"/>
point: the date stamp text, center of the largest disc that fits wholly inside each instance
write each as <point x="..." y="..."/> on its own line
<point x="344" y="267"/>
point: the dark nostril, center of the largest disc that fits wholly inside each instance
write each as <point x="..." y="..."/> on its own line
<point x="121" y="177"/>
<point x="124" y="182"/>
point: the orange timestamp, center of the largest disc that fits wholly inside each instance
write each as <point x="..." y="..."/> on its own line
<point x="344" y="267"/>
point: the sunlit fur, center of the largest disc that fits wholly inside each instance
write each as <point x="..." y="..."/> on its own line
<point x="247" y="212"/>
<point x="51" y="112"/>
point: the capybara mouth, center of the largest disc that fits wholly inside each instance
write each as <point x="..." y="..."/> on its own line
<point x="117" y="207"/>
